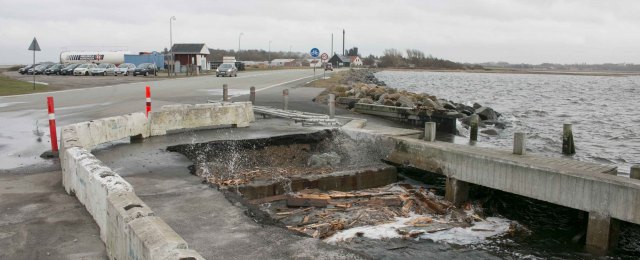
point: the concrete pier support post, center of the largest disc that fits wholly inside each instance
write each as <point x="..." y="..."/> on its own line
<point x="519" y="143"/>
<point x="252" y="95"/>
<point x="332" y="105"/>
<point x="285" y="99"/>
<point x="225" y="92"/>
<point x="635" y="172"/>
<point x="475" y="119"/>
<point x="602" y="233"/>
<point x="456" y="191"/>
<point x="568" y="147"/>
<point x="430" y="131"/>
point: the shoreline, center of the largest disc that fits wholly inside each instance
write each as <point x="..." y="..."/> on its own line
<point x="515" y="71"/>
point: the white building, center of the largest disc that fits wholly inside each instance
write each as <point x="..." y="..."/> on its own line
<point x="355" y="61"/>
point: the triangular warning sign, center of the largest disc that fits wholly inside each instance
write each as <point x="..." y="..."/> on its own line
<point x="34" y="45"/>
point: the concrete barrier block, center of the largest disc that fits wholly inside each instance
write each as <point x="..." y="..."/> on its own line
<point x="152" y="238"/>
<point x="177" y="107"/>
<point x="355" y="124"/>
<point x="92" y="133"/>
<point x="68" y="137"/>
<point x="122" y="208"/>
<point x="183" y="254"/>
<point x="176" y="117"/>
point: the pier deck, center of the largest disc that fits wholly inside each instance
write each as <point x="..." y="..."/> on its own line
<point x="580" y="185"/>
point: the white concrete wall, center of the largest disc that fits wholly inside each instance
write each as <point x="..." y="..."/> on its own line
<point x="127" y="225"/>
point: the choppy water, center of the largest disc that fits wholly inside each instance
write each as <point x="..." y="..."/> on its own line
<point x="606" y="130"/>
<point x="602" y="109"/>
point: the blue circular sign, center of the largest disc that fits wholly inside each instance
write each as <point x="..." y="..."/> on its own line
<point x="315" y="52"/>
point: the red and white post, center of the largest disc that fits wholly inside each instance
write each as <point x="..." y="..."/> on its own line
<point x="52" y="125"/>
<point x="148" y="101"/>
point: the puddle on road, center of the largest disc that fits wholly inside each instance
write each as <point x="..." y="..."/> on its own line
<point x="24" y="136"/>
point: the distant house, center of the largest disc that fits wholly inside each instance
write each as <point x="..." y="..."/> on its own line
<point x="355" y="61"/>
<point x="284" y="62"/>
<point x="314" y="63"/>
<point x="340" y="61"/>
<point x="190" y="54"/>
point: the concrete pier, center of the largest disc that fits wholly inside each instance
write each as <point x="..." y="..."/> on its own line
<point x="580" y="185"/>
<point x="635" y="172"/>
<point x="602" y="233"/>
<point x="430" y="131"/>
<point x="457" y="192"/>
<point x="568" y="147"/>
<point x="473" y="135"/>
<point x="519" y="143"/>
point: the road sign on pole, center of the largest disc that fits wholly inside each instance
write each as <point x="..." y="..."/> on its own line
<point x="324" y="57"/>
<point x="34" y="47"/>
<point x="315" y="52"/>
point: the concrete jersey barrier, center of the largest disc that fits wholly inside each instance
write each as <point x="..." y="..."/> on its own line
<point x="127" y="225"/>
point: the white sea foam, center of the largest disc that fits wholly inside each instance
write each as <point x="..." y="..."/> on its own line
<point x="476" y="234"/>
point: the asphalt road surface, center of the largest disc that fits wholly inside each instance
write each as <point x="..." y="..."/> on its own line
<point x="24" y="131"/>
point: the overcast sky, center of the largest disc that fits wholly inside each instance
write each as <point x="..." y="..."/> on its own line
<point x="515" y="31"/>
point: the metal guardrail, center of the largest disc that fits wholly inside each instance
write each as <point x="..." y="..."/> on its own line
<point x="305" y="118"/>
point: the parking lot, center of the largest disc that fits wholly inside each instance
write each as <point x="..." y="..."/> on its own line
<point x="57" y="82"/>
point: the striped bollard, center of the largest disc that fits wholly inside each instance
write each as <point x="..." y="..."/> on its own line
<point x="148" y="91"/>
<point x="52" y="125"/>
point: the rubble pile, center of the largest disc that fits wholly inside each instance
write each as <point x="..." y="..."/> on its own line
<point x="321" y="214"/>
<point x="361" y="86"/>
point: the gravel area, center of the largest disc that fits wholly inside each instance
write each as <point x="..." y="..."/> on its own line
<point x="73" y="82"/>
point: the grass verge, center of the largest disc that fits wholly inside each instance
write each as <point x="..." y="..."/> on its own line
<point x="333" y="84"/>
<point x="10" y="86"/>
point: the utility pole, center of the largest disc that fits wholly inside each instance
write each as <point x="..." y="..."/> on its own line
<point x="269" y="53"/>
<point x="173" y="18"/>
<point x="343" y="43"/>
<point x="239" y="45"/>
<point x="332" y="44"/>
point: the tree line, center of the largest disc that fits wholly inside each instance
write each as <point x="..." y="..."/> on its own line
<point x="412" y="58"/>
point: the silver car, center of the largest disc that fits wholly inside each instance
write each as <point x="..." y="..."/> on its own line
<point x="103" y="69"/>
<point x="125" y="69"/>
<point x="227" y="69"/>
<point x="84" y="69"/>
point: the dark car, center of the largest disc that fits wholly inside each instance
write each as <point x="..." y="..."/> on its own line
<point x="55" y="69"/>
<point x="40" y="69"/>
<point x="328" y="66"/>
<point x="68" y="70"/>
<point x="146" y="69"/>
<point x="26" y="69"/>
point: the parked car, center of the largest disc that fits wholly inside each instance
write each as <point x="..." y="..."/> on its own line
<point x="41" y="68"/>
<point x="146" y="69"/>
<point x="328" y="66"/>
<point x="55" y="69"/>
<point x="68" y="70"/>
<point x="125" y="69"/>
<point x="26" y="69"/>
<point x="227" y="69"/>
<point x="102" y="69"/>
<point x="84" y="69"/>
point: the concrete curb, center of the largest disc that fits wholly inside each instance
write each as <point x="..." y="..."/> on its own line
<point x="128" y="227"/>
